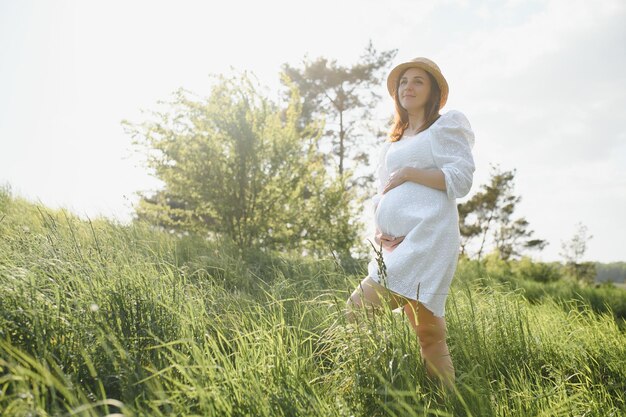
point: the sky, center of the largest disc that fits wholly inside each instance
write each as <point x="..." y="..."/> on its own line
<point x="542" y="82"/>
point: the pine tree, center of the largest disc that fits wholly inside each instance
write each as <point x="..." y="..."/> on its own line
<point x="342" y="96"/>
<point x="492" y="211"/>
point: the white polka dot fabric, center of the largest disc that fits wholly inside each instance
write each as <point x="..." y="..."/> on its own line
<point x="427" y="217"/>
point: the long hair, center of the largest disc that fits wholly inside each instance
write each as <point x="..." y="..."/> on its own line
<point x="401" y="116"/>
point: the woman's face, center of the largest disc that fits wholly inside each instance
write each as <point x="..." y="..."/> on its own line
<point x="414" y="89"/>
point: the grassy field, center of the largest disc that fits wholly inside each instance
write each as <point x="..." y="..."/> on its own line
<point x="98" y="318"/>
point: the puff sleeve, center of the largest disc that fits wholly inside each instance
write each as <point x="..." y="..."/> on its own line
<point x="382" y="175"/>
<point x="452" y="143"/>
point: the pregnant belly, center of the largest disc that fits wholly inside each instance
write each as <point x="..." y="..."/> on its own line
<point x="409" y="204"/>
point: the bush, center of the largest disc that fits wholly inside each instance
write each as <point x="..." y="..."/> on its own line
<point x="531" y="270"/>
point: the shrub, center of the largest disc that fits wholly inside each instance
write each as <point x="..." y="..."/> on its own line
<point x="531" y="270"/>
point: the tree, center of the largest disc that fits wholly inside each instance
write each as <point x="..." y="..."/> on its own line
<point x="573" y="252"/>
<point x="492" y="209"/>
<point x="468" y="229"/>
<point x="335" y="91"/>
<point x="238" y="165"/>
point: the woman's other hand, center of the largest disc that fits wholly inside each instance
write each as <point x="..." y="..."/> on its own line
<point x="396" y="178"/>
<point x="388" y="242"/>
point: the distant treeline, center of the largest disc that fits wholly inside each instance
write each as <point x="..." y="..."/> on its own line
<point x="614" y="271"/>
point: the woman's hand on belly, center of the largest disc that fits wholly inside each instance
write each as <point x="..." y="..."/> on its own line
<point x="396" y="178"/>
<point x="388" y="242"/>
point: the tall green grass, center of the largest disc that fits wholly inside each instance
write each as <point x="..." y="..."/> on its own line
<point x="98" y="318"/>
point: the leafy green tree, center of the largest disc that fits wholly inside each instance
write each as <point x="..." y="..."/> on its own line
<point x="238" y="165"/>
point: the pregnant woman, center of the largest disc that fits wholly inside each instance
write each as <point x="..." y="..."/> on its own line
<point x="423" y="167"/>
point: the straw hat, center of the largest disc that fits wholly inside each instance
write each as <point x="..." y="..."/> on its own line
<point x="425" y="64"/>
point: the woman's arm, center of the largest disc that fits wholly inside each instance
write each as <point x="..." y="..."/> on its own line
<point x="452" y="141"/>
<point x="433" y="178"/>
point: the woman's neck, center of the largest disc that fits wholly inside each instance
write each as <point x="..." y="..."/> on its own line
<point x="416" y="120"/>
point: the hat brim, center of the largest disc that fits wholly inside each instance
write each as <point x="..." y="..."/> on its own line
<point x="393" y="76"/>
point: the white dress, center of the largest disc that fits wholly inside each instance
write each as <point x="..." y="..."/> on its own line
<point x="426" y="216"/>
